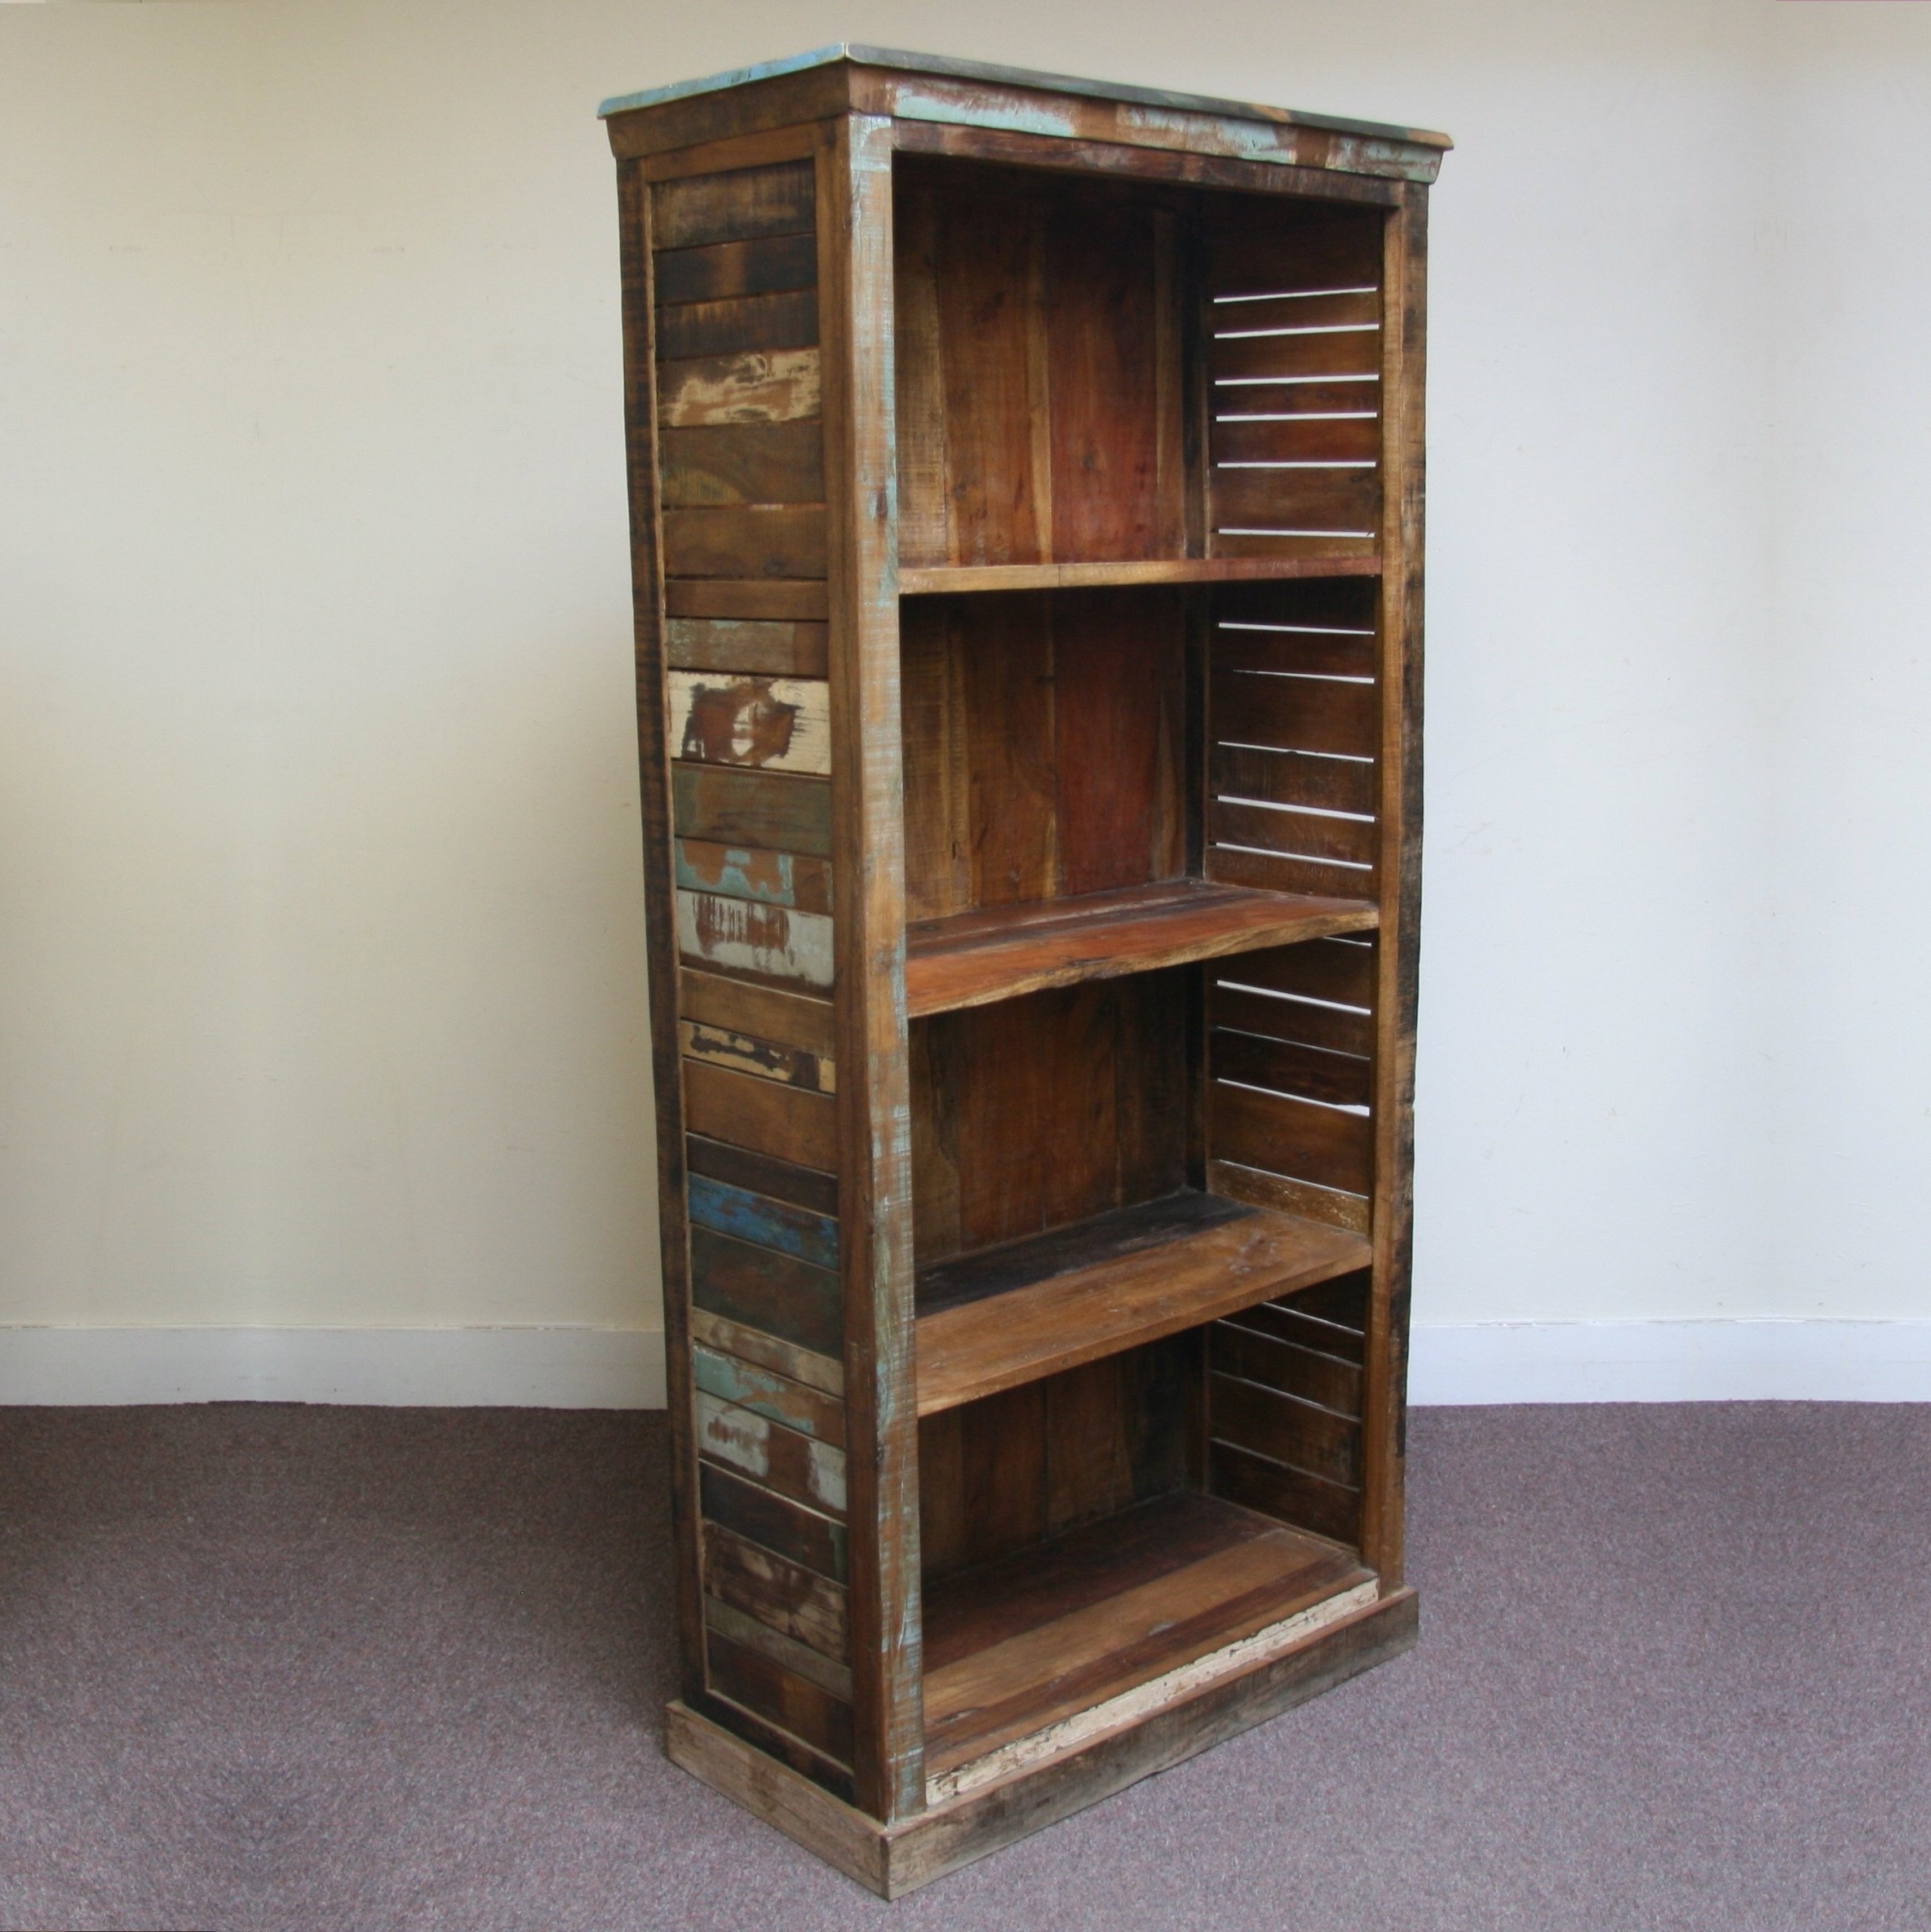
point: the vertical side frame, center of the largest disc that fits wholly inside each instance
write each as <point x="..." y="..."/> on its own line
<point x="855" y="271"/>
<point x="660" y="945"/>
<point x="1403" y="360"/>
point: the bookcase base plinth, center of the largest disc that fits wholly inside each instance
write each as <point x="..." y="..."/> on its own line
<point x="892" y="1859"/>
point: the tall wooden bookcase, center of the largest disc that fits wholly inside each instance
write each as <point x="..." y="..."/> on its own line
<point x="1025" y="487"/>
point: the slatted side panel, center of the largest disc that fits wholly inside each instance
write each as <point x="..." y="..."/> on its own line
<point x="1284" y="1406"/>
<point x="741" y="468"/>
<point x="1293" y="331"/>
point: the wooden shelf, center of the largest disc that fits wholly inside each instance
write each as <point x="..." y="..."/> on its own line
<point x="973" y="958"/>
<point x="1064" y="1634"/>
<point x="1013" y="1313"/>
<point x="943" y="580"/>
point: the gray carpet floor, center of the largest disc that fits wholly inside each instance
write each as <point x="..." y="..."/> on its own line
<point x="285" y="1669"/>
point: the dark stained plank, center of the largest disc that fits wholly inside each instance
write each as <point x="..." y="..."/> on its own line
<point x="767" y="810"/>
<point x="806" y="1537"/>
<point x="804" y="1709"/>
<point x="797" y="599"/>
<point x="805" y="1607"/>
<point x="1292" y="778"/>
<point x="1345" y="501"/>
<point x="1075" y="1315"/>
<point x="761" y="540"/>
<point x="975" y="958"/>
<point x="1306" y="1198"/>
<point x="935" y="752"/>
<point x="1288" y="872"/>
<point x="1310" y="835"/>
<point x="759" y="1287"/>
<point x="1234" y="1349"/>
<point x="1292" y="435"/>
<point x="1288" y="1496"/>
<point x="742" y="463"/>
<point x="731" y="326"/>
<point x="761" y="1115"/>
<point x="792" y="1018"/>
<point x="780" y="1179"/>
<point x="760" y="385"/>
<point x="1340" y="971"/>
<point x="1248" y="360"/>
<point x="1007" y="684"/>
<point x="737" y="207"/>
<point x="1341" y="1080"/>
<point x="758" y="268"/>
<point x="800" y="1659"/>
<point x="1291" y="1137"/>
<point x="1298" y="714"/>
<point x="769" y="1224"/>
<point x="778" y="1750"/>
<point x="1291" y="1322"/>
<point x="776" y="648"/>
<point x="1285" y="1429"/>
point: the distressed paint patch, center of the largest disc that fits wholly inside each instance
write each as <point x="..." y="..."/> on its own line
<point x="742" y="1438"/>
<point x="962" y="106"/>
<point x="743" y="936"/>
<point x="748" y="872"/>
<point x="768" y="1394"/>
<point x="744" y="1054"/>
<point x="737" y="1210"/>
<point x="1241" y="140"/>
<point x="770" y="723"/>
<point x="780" y="386"/>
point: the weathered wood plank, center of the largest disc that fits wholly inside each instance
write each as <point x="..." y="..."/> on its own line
<point x="792" y="1019"/>
<point x="773" y="600"/>
<point x="768" y="723"/>
<point x="745" y="1054"/>
<point x="759" y="268"/>
<point x="1235" y="1349"/>
<point x="742" y="463"/>
<point x="1289" y="1495"/>
<point x="1303" y="1197"/>
<point x="1292" y="777"/>
<point x="750" y="1678"/>
<point x="737" y="323"/>
<point x="761" y="1115"/>
<point x="802" y="1605"/>
<point x="1300" y="714"/>
<point x="742" y="872"/>
<point x="757" y="1287"/>
<point x="1304" y="834"/>
<point x="797" y="1466"/>
<point x="799" y="1658"/>
<point x="1285" y="1429"/>
<point x="763" y="1173"/>
<point x="1339" y="972"/>
<point x="778" y="1224"/>
<point x="764" y="386"/>
<point x="1291" y="1137"/>
<point x="767" y="1393"/>
<point x="746" y="645"/>
<point x="771" y="810"/>
<point x="1297" y="499"/>
<point x="741" y="935"/>
<point x="757" y="540"/>
<point x="824" y="1373"/>
<point x="737" y="207"/>
<point x="806" y="1537"/>
<point x="1341" y="1080"/>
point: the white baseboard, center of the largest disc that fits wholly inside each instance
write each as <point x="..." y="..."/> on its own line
<point x="516" y="1367"/>
<point x="1742" y="1360"/>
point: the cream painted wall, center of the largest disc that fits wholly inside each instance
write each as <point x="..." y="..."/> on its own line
<point x="319" y="925"/>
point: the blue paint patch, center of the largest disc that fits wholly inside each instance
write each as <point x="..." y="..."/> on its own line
<point x="757" y="1390"/>
<point x="734" y="880"/>
<point x="737" y="1211"/>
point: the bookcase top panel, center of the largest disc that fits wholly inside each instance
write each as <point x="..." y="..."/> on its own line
<point x="986" y="73"/>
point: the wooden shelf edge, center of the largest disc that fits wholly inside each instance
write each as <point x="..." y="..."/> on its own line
<point x="894" y="1858"/>
<point x="945" y="580"/>
<point x="977" y="959"/>
<point x="998" y="1340"/>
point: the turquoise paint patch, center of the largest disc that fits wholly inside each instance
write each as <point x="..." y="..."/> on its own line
<point x="734" y="882"/>
<point x="776" y="1225"/>
<point x="764" y="1394"/>
<point x="1017" y="120"/>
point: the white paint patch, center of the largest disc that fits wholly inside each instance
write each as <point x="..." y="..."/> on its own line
<point x="751" y="937"/>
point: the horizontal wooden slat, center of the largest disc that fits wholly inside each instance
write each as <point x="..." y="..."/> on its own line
<point x="767" y="810"/>
<point x="797" y="1466"/>
<point x="1341" y="1079"/>
<point x="1291" y="1137"/>
<point x="1324" y="1027"/>
<point x="1285" y="1429"/>
<point x="761" y="1115"/>
<point x="1314" y="835"/>
<point x="780" y="723"/>
<point x="758" y="268"/>
<point x="758" y="1288"/>
<point x="743" y="935"/>
<point x="747" y="1344"/>
<point x="743" y="872"/>
<point x="781" y="1226"/>
<point x="742" y="463"/>
<point x="945" y="580"/>
<point x="765" y="386"/>
<point x="729" y="327"/>
<point x="1358" y="353"/>
<point x="768" y="541"/>
<point x="1251" y="316"/>
<point x="765" y="1687"/>
<point x="1339" y="970"/>
<point x="783" y="1595"/>
<point x="1292" y="1495"/>
<point x="1309" y="438"/>
<point x="798" y="1658"/>
<point x="1287" y="1322"/>
<point x="794" y="1019"/>
<point x="806" y="1537"/>
<point x="1286" y="872"/>
<point x="762" y="1173"/>
<point x="1241" y="543"/>
<point x="789" y="599"/>
<point x="737" y="207"/>
<point x="771" y="648"/>
<point x="767" y="1059"/>
<point x="1297" y="714"/>
<point x="793" y="1403"/>
<point x="1325" y="499"/>
<point x="1235" y="1351"/>
<point x="1264" y="399"/>
<point x="1331" y="1205"/>
<point x="1293" y="777"/>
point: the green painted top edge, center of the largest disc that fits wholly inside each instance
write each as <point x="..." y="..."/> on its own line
<point x="1014" y="77"/>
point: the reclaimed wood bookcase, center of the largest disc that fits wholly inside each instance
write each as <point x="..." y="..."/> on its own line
<point x="1025" y="487"/>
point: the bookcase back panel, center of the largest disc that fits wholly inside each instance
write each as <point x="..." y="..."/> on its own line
<point x="1035" y="1112"/>
<point x="1284" y="1408"/>
<point x="740" y="476"/>
<point x="1003" y="1474"/>
<point x="1039" y="370"/>
<point x="1043" y="745"/>
<point x="1293" y="364"/>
